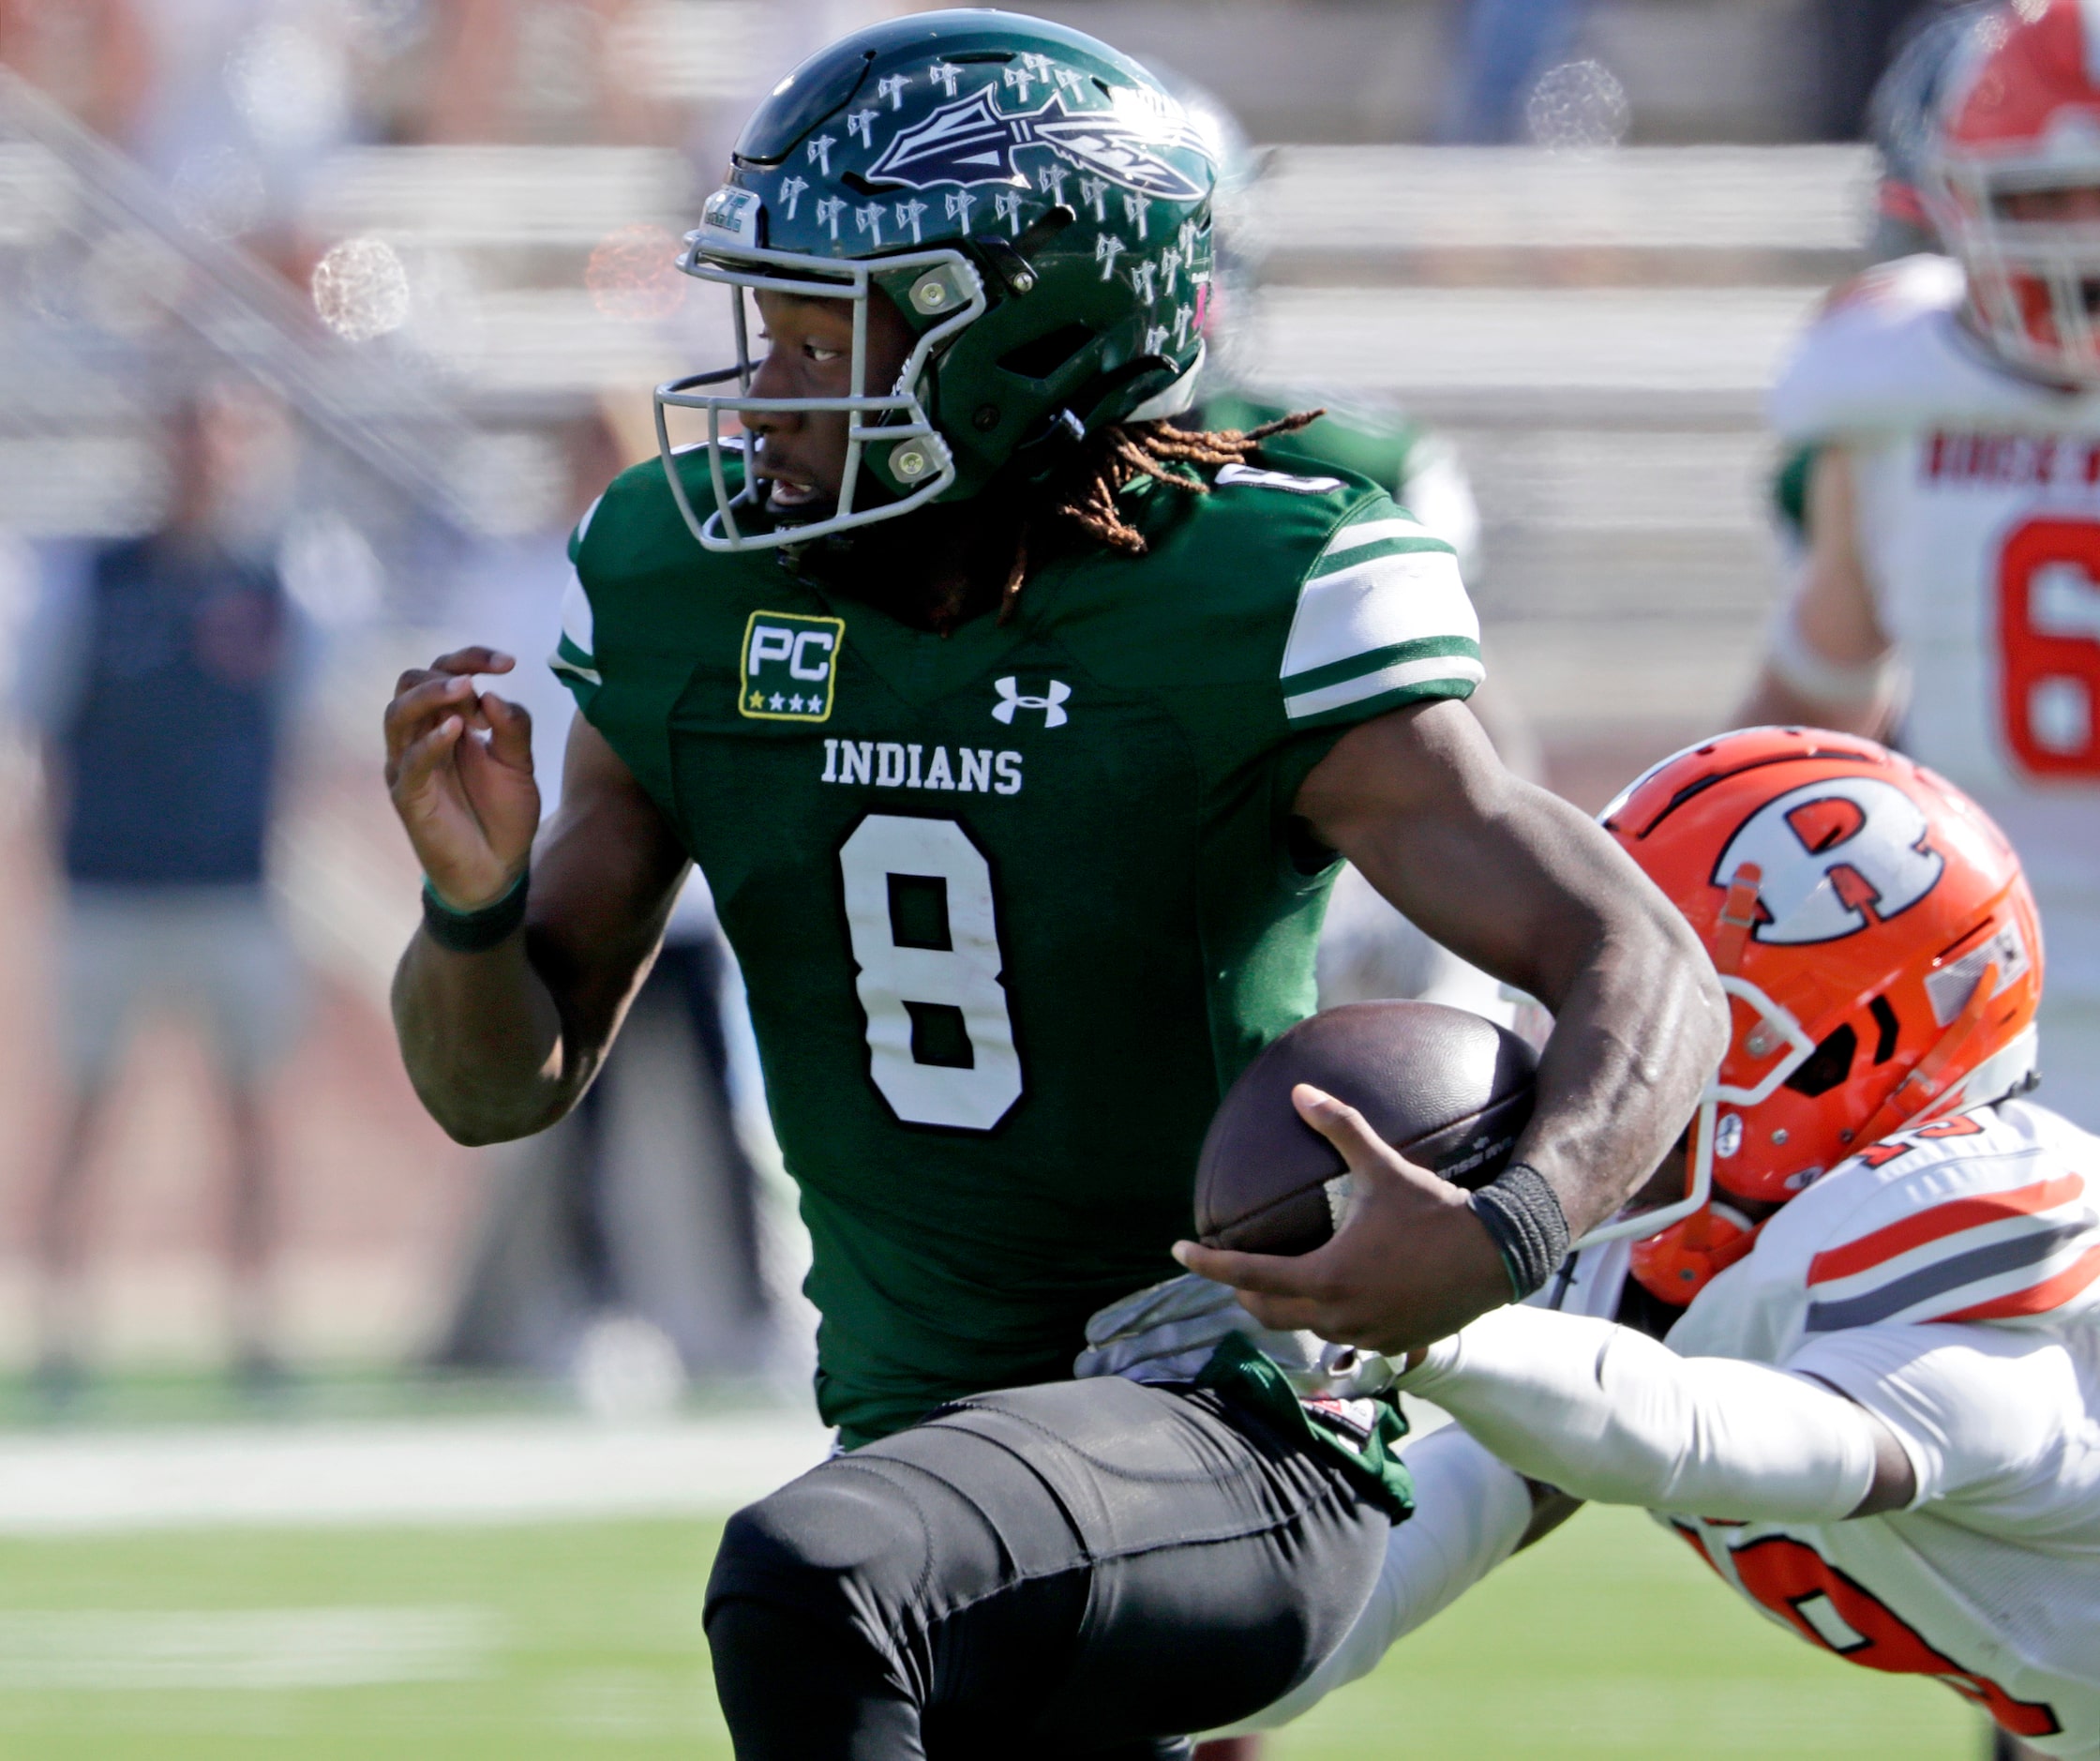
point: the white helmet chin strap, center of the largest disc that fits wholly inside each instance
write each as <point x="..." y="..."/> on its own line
<point x="1800" y="1047"/>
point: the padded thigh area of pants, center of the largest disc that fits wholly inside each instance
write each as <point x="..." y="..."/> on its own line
<point x="1061" y="1568"/>
<point x="1138" y="1466"/>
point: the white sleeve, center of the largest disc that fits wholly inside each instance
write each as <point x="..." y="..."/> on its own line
<point x="1609" y="1415"/>
<point x="1470" y="1511"/>
<point x="1988" y="1415"/>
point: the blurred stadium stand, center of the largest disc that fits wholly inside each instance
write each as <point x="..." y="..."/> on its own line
<point x="1366" y="70"/>
<point x="1595" y="333"/>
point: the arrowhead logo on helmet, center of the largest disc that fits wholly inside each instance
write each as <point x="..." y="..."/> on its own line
<point x="969" y="142"/>
<point x="1836" y="856"/>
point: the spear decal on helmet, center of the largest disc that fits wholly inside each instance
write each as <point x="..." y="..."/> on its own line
<point x="970" y="142"/>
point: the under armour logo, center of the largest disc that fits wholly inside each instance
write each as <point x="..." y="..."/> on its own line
<point x="1051" y="704"/>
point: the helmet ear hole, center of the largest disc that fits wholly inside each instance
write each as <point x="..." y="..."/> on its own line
<point x="1884" y="1020"/>
<point x="1828" y="1066"/>
<point x="1040" y="360"/>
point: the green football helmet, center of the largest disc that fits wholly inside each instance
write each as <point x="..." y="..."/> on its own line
<point x="1035" y="203"/>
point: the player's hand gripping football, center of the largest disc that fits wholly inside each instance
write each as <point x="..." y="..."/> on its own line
<point x="1411" y="1265"/>
<point x="459" y="768"/>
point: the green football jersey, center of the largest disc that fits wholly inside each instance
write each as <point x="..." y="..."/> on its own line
<point x="1015" y="905"/>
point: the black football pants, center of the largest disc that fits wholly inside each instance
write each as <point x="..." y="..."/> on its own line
<point x="1082" y="1568"/>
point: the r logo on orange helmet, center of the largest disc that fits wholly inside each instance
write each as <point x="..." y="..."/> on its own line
<point x="1814" y="865"/>
<point x="1036" y="205"/>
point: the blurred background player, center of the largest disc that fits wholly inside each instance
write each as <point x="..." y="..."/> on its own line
<point x="1875" y="1411"/>
<point x="1950" y="595"/>
<point x="161" y="674"/>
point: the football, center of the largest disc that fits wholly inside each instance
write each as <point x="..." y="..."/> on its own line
<point x="1447" y="1088"/>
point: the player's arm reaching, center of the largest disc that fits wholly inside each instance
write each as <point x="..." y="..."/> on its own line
<point x="1524" y="886"/>
<point x="501" y="1041"/>
<point x="1827" y="662"/>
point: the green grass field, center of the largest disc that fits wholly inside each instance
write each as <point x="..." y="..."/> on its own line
<point x="583" y="1640"/>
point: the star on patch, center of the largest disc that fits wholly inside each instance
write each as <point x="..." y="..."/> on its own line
<point x="777" y="701"/>
<point x="758" y="700"/>
<point x="795" y="703"/>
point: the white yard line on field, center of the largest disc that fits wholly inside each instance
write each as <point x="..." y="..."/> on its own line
<point x="448" y="1471"/>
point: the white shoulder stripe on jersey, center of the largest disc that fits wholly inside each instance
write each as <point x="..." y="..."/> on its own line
<point x="1368" y="685"/>
<point x="1378" y="603"/>
<point x="1374" y="532"/>
<point x="583" y="525"/>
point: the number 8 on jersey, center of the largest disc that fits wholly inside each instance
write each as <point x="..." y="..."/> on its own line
<point x="925" y="938"/>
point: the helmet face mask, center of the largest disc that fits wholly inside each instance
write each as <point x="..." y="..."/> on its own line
<point x="2013" y="184"/>
<point x="918" y="462"/>
<point x="1879" y="946"/>
<point x="2035" y="284"/>
<point x="1034" y="204"/>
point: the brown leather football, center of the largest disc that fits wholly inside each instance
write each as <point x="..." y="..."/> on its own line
<point x="1447" y="1089"/>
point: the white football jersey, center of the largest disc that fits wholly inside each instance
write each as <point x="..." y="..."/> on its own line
<point x="1949" y="1281"/>
<point x="1979" y="528"/>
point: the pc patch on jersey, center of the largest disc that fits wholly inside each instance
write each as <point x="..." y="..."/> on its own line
<point x="790" y="667"/>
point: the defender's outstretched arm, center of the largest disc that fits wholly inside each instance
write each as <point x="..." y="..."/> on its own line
<point x="1609" y="1415"/>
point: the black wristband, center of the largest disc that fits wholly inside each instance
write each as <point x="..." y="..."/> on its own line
<point x="1523" y="1216"/>
<point x="476" y="931"/>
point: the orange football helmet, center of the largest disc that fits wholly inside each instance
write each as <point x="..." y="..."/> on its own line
<point x="2020" y="116"/>
<point x="1881" y="951"/>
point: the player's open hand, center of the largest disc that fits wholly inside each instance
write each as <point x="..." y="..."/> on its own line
<point x="1410" y="1265"/>
<point x="459" y="768"/>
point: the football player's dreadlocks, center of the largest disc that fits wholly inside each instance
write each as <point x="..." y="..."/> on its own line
<point x="1084" y="498"/>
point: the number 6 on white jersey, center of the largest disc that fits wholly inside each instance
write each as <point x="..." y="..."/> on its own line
<point x="941" y="1042"/>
